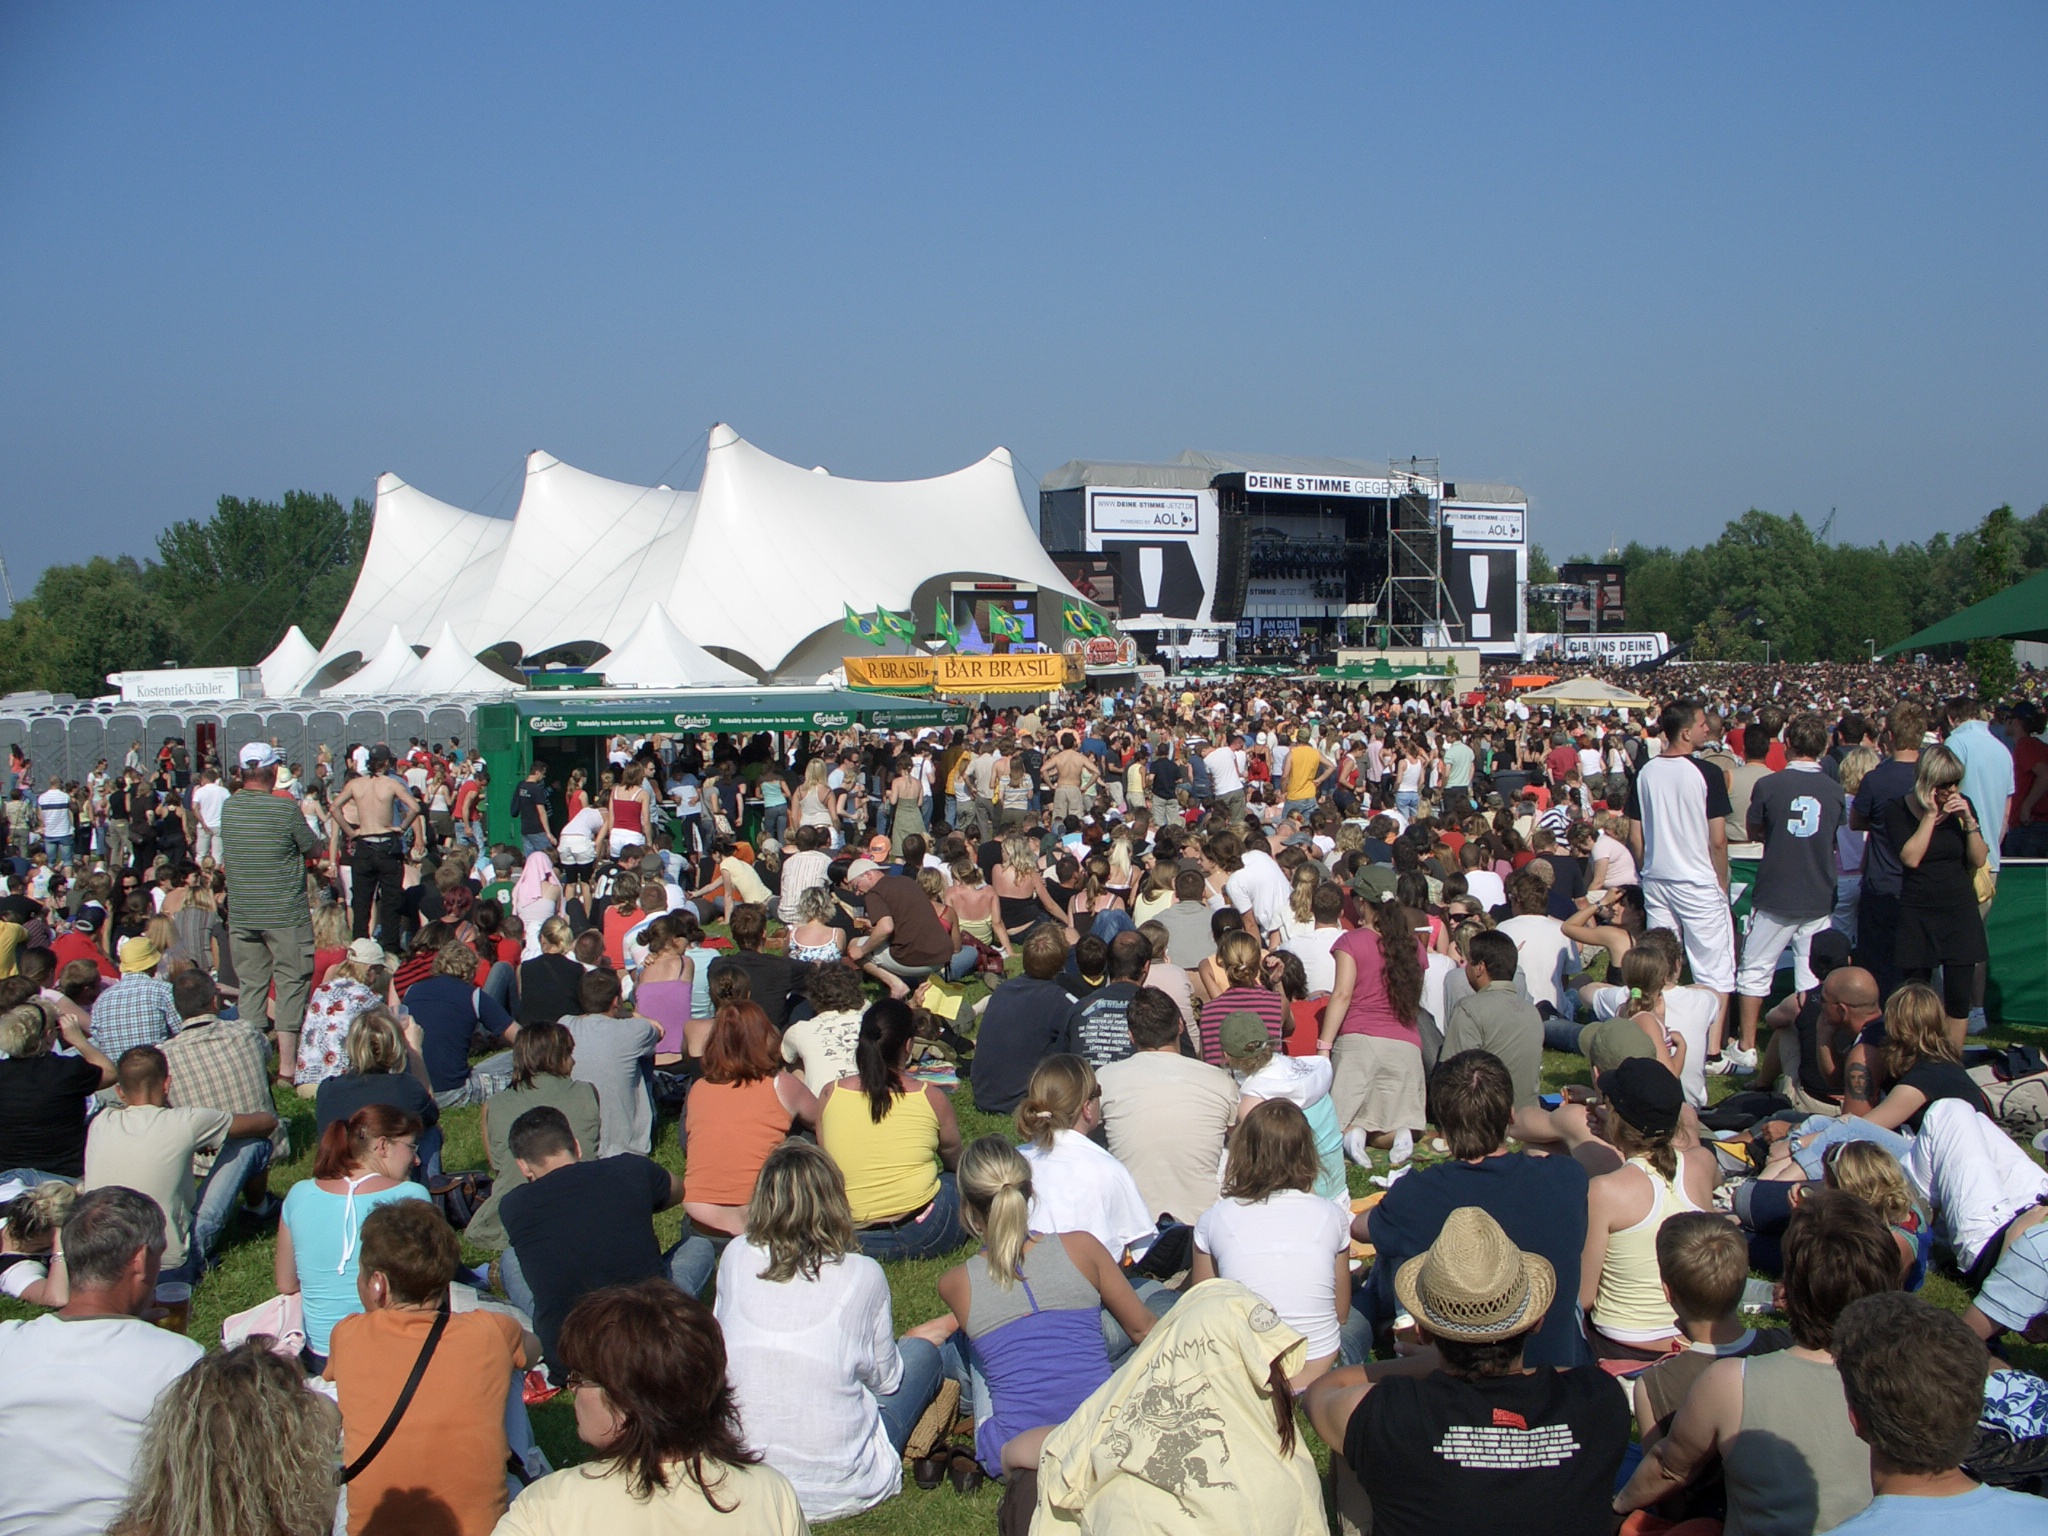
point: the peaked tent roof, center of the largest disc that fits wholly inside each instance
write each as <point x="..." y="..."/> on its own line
<point x="288" y="665"/>
<point x="452" y="667"/>
<point x="659" y="655"/>
<point x="865" y="542"/>
<point x="386" y="672"/>
<point x="428" y="563"/>
<point x="2020" y="612"/>
<point x="1588" y="691"/>
<point x="585" y="557"/>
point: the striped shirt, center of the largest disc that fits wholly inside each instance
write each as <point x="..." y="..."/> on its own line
<point x="222" y="1064"/>
<point x="265" y="841"/>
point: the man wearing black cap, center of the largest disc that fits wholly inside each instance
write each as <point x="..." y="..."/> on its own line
<point x="1619" y="1284"/>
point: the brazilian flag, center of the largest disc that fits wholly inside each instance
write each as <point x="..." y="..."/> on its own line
<point x="902" y="625"/>
<point x="942" y="625"/>
<point x="867" y="626"/>
<point x="1005" y="623"/>
<point x="1076" y="620"/>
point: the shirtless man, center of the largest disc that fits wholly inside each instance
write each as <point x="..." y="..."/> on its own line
<point x="379" y="811"/>
<point x="1067" y="771"/>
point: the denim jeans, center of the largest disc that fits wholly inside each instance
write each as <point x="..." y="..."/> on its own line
<point x="694" y="1260"/>
<point x="240" y="1160"/>
<point x="501" y="984"/>
<point x="937" y="1231"/>
<point x="1354" y="1339"/>
<point x="1812" y="1158"/>
<point x="29" y="1178"/>
<point x="690" y="1264"/>
<point x="430" y="1153"/>
<point x="1158" y="1301"/>
<point x="924" y="1367"/>
<point x="959" y="968"/>
<point x="1561" y="1034"/>
<point x="1110" y="922"/>
<point x="59" y="850"/>
<point x="534" y="842"/>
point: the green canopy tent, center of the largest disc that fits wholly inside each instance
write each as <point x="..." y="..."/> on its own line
<point x="1381" y="671"/>
<point x="508" y="733"/>
<point x="2020" y="612"/>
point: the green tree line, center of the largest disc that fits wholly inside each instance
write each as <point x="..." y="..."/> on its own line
<point x="220" y="592"/>
<point x="1778" y="580"/>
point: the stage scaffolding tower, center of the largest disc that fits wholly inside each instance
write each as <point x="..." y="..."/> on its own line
<point x="1414" y="604"/>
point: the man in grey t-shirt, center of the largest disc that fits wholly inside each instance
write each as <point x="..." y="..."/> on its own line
<point x="1190" y="939"/>
<point x="613" y="1054"/>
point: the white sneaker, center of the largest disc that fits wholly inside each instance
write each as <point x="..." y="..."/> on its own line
<point x="1733" y="1059"/>
<point x="1387" y="1180"/>
<point x="1357" y="1148"/>
<point x="1404" y="1148"/>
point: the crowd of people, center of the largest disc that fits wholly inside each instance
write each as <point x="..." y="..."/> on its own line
<point x="1212" y="954"/>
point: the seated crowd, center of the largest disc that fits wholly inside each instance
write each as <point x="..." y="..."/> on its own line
<point x="1220" y="1004"/>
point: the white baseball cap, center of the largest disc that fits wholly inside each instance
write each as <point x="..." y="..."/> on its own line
<point x="260" y="754"/>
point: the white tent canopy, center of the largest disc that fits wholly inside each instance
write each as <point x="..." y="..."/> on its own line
<point x="660" y="655"/>
<point x="451" y="667"/>
<point x="1586" y="693"/>
<point x="762" y="558"/>
<point x="289" y="664"/>
<point x="388" y="671"/>
<point x="782" y="552"/>
<point x="428" y="564"/>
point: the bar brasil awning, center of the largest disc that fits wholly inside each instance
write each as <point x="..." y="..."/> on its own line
<point x="964" y="676"/>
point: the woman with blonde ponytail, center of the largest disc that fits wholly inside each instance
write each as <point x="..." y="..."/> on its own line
<point x="1032" y="1304"/>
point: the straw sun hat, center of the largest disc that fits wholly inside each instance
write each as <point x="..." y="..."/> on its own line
<point x="1474" y="1286"/>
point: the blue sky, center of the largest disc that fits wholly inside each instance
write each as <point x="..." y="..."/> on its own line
<point x="1655" y="263"/>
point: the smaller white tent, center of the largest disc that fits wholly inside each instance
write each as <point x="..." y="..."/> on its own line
<point x="451" y="667"/>
<point x="389" y="671"/>
<point x="660" y="655"/>
<point x="288" y="666"/>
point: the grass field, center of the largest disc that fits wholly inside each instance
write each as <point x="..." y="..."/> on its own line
<point x="245" y="1278"/>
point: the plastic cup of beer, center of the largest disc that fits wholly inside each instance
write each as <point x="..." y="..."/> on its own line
<point x="174" y="1303"/>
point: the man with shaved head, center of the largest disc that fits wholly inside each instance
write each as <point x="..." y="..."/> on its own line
<point x="1850" y="1008"/>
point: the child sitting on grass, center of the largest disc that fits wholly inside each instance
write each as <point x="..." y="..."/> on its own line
<point x="1704" y="1261"/>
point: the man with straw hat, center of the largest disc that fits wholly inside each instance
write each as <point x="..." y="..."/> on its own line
<point x="1448" y="1438"/>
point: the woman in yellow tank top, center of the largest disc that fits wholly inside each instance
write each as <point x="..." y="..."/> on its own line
<point x="1619" y="1283"/>
<point x="896" y="1142"/>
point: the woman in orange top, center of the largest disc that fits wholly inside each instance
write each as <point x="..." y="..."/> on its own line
<point x="738" y="1112"/>
<point x="621" y="915"/>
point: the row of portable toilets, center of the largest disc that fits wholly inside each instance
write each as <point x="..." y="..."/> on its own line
<point x="69" y="739"/>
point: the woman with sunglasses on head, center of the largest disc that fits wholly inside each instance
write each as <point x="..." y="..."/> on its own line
<point x="647" y="1372"/>
<point x="363" y="1162"/>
